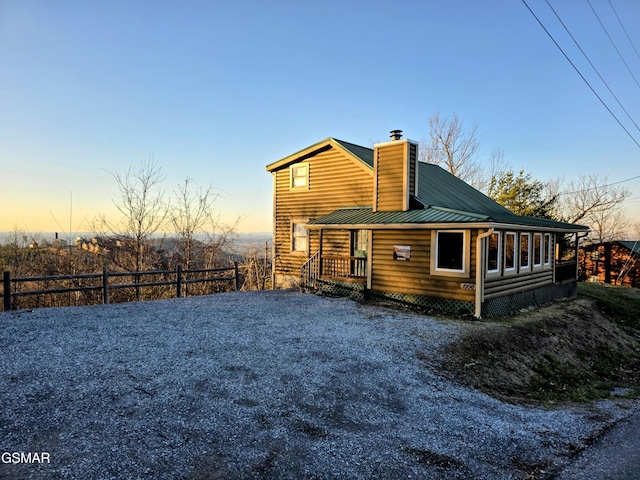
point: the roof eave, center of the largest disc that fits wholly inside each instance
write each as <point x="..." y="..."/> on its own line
<point x="441" y="226"/>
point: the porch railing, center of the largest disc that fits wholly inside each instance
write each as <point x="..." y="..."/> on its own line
<point x="339" y="267"/>
<point x="310" y="272"/>
<point x="332" y="267"/>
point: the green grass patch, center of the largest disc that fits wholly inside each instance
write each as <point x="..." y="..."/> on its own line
<point x="619" y="303"/>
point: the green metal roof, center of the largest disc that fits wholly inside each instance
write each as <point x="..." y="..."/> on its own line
<point x="366" y="216"/>
<point x="633" y="245"/>
<point x="363" y="153"/>
<point x="360" y="216"/>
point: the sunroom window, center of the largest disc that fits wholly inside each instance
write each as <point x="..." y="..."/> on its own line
<point x="537" y="249"/>
<point x="524" y="251"/>
<point x="493" y="255"/>
<point x="509" y="251"/>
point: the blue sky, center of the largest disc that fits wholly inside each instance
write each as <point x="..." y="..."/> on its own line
<point x="216" y="90"/>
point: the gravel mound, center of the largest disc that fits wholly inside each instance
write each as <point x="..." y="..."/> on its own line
<point x="249" y="385"/>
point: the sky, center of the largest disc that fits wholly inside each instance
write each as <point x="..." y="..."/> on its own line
<point x="216" y="90"/>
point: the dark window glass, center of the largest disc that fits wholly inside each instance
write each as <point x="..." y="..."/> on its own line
<point x="450" y="245"/>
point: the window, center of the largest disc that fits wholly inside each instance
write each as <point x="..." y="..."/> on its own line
<point x="509" y="251"/>
<point x="359" y="243"/>
<point x="493" y="255"/>
<point x="450" y="257"/>
<point x="299" y="237"/>
<point x="524" y="251"/>
<point x="299" y="175"/>
<point x="547" y="249"/>
<point x="537" y="249"/>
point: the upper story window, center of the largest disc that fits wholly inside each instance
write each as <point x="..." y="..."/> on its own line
<point x="451" y="256"/>
<point x="493" y="255"/>
<point x="299" y="174"/>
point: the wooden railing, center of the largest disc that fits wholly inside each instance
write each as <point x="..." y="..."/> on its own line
<point x="310" y="272"/>
<point x="338" y="267"/>
<point x="172" y="277"/>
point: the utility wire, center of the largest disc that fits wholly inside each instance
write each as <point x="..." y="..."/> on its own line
<point x="624" y="30"/>
<point x="613" y="43"/>
<point x="592" y="65"/>
<point x="581" y="76"/>
<point x="600" y="186"/>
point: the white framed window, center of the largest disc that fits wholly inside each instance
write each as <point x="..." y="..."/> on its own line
<point x="525" y="247"/>
<point x="299" y="237"/>
<point x="299" y="176"/>
<point x="493" y="253"/>
<point x="450" y="253"/>
<point x="547" y="249"/>
<point x="537" y="249"/>
<point x="510" y="251"/>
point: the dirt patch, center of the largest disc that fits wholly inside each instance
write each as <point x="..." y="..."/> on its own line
<point x="571" y="351"/>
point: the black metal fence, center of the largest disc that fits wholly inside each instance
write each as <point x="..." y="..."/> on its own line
<point x="179" y="278"/>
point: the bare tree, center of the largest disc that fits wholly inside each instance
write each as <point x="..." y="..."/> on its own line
<point x="607" y="226"/>
<point x="144" y="212"/>
<point x="593" y="201"/>
<point x="452" y="147"/>
<point x="192" y="212"/>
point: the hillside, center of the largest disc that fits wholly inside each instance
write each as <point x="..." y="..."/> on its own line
<point x="575" y="350"/>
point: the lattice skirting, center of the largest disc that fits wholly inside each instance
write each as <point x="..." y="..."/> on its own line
<point x="490" y="308"/>
<point x="357" y="291"/>
<point x="432" y="304"/>
<point x="342" y="289"/>
<point x="517" y="301"/>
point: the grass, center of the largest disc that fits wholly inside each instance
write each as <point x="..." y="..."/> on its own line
<point x="576" y="350"/>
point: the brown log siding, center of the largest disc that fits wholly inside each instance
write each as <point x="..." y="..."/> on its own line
<point x="413" y="276"/>
<point x="335" y="181"/>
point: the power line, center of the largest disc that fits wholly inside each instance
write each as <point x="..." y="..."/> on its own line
<point x="592" y="65"/>
<point x="624" y="30"/>
<point x="600" y="186"/>
<point x="613" y="43"/>
<point x="581" y="76"/>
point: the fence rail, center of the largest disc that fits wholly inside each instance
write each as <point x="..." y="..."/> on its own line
<point x="179" y="280"/>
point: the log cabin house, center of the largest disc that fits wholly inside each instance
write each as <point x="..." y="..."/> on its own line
<point x="379" y="224"/>
<point x="616" y="263"/>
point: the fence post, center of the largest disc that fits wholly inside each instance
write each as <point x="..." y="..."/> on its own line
<point x="178" y="281"/>
<point x="7" y="290"/>
<point x="235" y="274"/>
<point x="105" y="286"/>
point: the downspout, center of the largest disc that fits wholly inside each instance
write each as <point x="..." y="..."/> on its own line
<point x="480" y="272"/>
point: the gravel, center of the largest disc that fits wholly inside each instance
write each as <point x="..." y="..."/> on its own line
<point x="247" y="385"/>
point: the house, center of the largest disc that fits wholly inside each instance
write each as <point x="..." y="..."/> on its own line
<point x="379" y="224"/>
<point x="615" y="262"/>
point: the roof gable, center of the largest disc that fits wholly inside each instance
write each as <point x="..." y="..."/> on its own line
<point x="362" y="156"/>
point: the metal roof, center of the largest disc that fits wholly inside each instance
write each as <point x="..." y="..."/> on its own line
<point x="426" y="216"/>
<point x="442" y="198"/>
<point x="366" y="216"/>
<point x="633" y="245"/>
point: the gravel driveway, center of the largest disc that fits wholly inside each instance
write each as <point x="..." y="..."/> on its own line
<point x="259" y="385"/>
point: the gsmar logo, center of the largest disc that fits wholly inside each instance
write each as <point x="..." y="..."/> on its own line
<point x="25" y="457"/>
